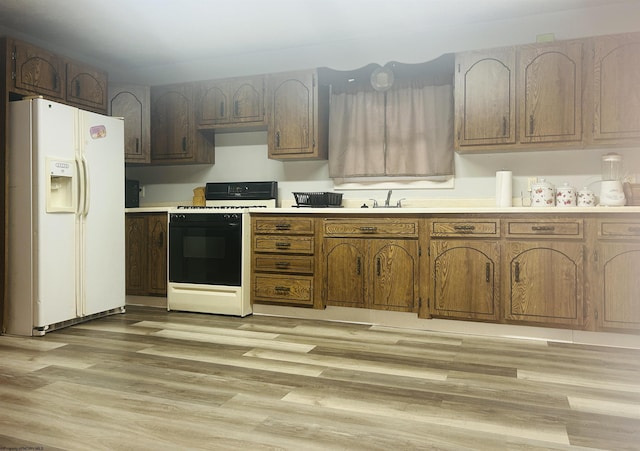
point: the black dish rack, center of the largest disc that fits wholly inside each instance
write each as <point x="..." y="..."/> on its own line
<point x="325" y="199"/>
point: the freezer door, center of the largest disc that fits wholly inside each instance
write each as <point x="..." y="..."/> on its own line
<point x="101" y="219"/>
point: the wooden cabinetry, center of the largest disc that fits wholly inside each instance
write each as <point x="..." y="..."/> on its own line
<point x="544" y="271"/>
<point x="616" y="77"/>
<point x="231" y="102"/>
<point x="617" y="262"/>
<point x="146" y="244"/>
<point x="283" y="261"/>
<point x="485" y="108"/>
<point x="132" y="103"/>
<point x="37" y="71"/>
<point x="549" y="91"/>
<point x="298" y="116"/>
<point x="372" y="263"/>
<point x="472" y="293"/>
<point x="174" y="136"/>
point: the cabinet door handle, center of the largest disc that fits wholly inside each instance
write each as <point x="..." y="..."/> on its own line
<point x="283" y="226"/>
<point x="368" y="229"/>
<point x="77" y="88"/>
<point x="236" y="108"/>
<point x="504" y="125"/>
<point x="378" y="269"/>
<point x="281" y="289"/>
<point x="184" y="143"/>
<point x="277" y="139"/>
<point x="221" y="109"/>
<point x="137" y="145"/>
<point x="358" y="266"/>
<point x="543" y="228"/>
<point x="516" y="272"/>
<point x="487" y="272"/>
<point x="55" y="81"/>
<point x="161" y="239"/>
<point x="283" y="245"/>
<point x="531" y="124"/>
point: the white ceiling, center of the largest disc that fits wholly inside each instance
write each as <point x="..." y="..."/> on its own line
<point x="134" y="34"/>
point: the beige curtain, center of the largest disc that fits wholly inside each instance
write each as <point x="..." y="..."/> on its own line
<point x="406" y="131"/>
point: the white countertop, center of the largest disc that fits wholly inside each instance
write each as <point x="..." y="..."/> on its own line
<point x="451" y="210"/>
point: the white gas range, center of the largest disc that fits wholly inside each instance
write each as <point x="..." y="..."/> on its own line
<point x="209" y="249"/>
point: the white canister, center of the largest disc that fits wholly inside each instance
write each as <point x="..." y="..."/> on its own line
<point x="586" y="198"/>
<point x="565" y="196"/>
<point x="543" y="194"/>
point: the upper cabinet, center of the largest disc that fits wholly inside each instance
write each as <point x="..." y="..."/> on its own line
<point x="174" y="135"/>
<point x="35" y="71"/>
<point x="616" y="87"/>
<point x="485" y="109"/>
<point x="132" y="103"/>
<point x="231" y="102"/>
<point x="549" y="90"/>
<point x="298" y="116"/>
<point x="86" y="87"/>
<point x="564" y="94"/>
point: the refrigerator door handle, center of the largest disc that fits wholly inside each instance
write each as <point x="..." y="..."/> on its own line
<point x="86" y="187"/>
<point x="81" y="186"/>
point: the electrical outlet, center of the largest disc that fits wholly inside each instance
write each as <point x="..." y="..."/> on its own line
<point x="629" y="179"/>
<point x="142" y="191"/>
<point x="531" y="181"/>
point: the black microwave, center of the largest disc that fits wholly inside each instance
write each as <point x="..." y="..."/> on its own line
<point x="131" y="193"/>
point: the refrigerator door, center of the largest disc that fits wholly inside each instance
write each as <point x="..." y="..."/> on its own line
<point x="101" y="220"/>
<point x="42" y="264"/>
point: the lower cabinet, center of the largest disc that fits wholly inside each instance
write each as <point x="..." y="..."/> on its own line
<point x="366" y="268"/>
<point x="146" y="245"/>
<point x="617" y="300"/>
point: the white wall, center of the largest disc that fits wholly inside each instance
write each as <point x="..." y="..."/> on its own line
<point x="243" y="156"/>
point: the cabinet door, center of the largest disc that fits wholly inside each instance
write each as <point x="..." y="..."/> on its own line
<point x="171" y="123"/>
<point x="616" y="80"/>
<point x="247" y="100"/>
<point x="485" y="97"/>
<point x="345" y="272"/>
<point x="157" y="248"/>
<point x="545" y="282"/>
<point x="38" y="71"/>
<point x="132" y="103"/>
<point x="394" y="275"/>
<point x="291" y="115"/>
<point x="550" y="92"/>
<point x="618" y="268"/>
<point x="213" y="100"/>
<point x="87" y="87"/>
<point x="472" y="293"/>
<point x="136" y="264"/>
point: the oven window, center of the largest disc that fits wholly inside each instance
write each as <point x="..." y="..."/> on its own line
<point x="205" y="253"/>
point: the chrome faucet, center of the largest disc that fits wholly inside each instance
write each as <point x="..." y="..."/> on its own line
<point x="386" y="202"/>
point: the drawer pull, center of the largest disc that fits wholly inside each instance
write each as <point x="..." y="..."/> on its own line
<point x="281" y="289"/>
<point x="543" y="228"/>
<point x="516" y="272"/>
<point x="283" y="226"/>
<point x="283" y="245"/>
<point x="368" y="229"/>
<point x="282" y="265"/>
<point x="464" y="228"/>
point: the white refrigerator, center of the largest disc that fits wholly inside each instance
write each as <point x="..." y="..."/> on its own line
<point x="66" y="244"/>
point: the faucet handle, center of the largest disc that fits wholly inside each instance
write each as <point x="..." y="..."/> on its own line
<point x="375" y="203"/>
<point x="399" y="203"/>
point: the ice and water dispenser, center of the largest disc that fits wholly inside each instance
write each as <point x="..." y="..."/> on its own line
<point x="60" y="186"/>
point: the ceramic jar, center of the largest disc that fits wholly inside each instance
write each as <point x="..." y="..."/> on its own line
<point x="586" y="198"/>
<point x="565" y="196"/>
<point x="543" y="194"/>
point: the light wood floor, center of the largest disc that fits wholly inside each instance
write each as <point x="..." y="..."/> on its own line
<point x="157" y="380"/>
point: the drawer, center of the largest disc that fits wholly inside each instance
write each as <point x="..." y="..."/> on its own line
<point x="619" y="229"/>
<point x="284" y="224"/>
<point x="480" y="228"/>
<point x="382" y="227"/>
<point x="283" y="289"/>
<point x="283" y="263"/>
<point x="284" y="244"/>
<point x="570" y="228"/>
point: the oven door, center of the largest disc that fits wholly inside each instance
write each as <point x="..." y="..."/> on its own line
<point x="205" y="248"/>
